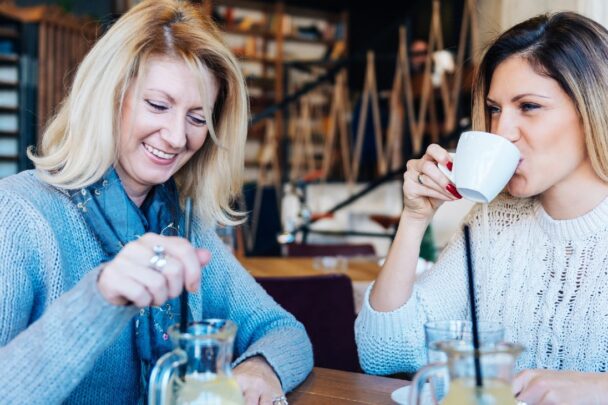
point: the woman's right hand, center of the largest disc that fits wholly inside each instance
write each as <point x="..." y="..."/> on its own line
<point x="425" y="187"/>
<point x="130" y="279"/>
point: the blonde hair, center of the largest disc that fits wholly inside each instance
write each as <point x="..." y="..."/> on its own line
<point x="89" y="117"/>
<point x="572" y="50"/>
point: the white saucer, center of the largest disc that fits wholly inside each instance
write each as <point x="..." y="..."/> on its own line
<point x="401" y="395"/>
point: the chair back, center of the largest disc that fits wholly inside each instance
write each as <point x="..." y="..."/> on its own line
<point x="324" y="305"/>
<point x="312" y="250"/>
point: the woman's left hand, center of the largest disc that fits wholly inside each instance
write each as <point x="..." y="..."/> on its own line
<point x="560" y="387"/>
<point x="259" y="383"/>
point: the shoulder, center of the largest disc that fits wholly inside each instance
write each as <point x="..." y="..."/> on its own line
<point x="27" y="186"/>
<point x="25" y="199"/>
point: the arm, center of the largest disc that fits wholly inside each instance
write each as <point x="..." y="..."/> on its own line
<point x="264" y="328"/>
<point x="42" y="361"/>
<point x="560" y="387"/>
<point x="394" y="341"/>
<point x="425" y="188"/>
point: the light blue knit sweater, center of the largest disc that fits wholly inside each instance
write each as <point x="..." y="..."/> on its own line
<point x="60" y="341"/>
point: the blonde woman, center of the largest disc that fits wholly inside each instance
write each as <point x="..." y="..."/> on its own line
<point x="157" y="112"/>
<point x="543" y="85"/>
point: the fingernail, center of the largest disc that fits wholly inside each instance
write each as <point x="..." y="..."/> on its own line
<point x="450" y="187"/>
<point x="449" y="166"/>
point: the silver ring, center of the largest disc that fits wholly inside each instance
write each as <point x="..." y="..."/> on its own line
<point x="280" y="400"/>
<point x="158" y="261"/>
<point x="420" y="179"/>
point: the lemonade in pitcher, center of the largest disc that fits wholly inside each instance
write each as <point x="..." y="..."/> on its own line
<point x="198" y="390"/>
<point x="197" y="371"/>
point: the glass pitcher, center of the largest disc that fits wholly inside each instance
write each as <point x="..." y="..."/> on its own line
<point x="497" y="365"/>
<point x="197" y="371"/>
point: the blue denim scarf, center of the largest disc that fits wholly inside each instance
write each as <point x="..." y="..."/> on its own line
<point x="116" y="220"/>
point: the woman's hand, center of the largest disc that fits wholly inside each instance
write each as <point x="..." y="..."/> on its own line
<point x="259" y="383"/>
<point x="425" y="187"/>
<point x="560" y="387"/>
<point x="130" y="277"/>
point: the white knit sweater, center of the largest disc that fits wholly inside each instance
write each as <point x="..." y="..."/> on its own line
<point x="545" y="280"/>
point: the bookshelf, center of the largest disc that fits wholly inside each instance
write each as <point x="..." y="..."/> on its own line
<point x="266" y="36"/>
<point x="39" y="49"/>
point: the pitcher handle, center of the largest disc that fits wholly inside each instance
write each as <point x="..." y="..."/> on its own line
<point x="162" y="374"/>
<point x="420" y="379"/>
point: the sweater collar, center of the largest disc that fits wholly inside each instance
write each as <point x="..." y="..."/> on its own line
<point x="573" y="229"/>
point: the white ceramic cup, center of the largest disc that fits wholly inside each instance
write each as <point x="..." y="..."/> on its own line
<point x="482" y="165"/>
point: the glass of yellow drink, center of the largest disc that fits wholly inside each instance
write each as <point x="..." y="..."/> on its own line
<point x="496" y="366"/>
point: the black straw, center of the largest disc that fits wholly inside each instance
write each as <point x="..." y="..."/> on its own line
<point x="467" y="240"/>
<point x="183" y="298"/>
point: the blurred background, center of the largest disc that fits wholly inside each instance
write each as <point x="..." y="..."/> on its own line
<point x="342" y="95"/>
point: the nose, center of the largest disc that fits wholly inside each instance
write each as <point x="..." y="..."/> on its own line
<point x="506" y="126"/>
<point x="175" y="133"/>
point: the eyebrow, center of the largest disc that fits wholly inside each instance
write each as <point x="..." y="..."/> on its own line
<point x="171" y="99"/>
<point x="518" y="97"/>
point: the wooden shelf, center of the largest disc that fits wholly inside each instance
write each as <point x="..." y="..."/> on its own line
<point x="14" y="110"/>
<point x="8" y="85"/>
<point x="271" y="36"/>
<point x="9" y="134"/>
<point x="253" y="32"/>
<point x="259" y="59"/>
<point x="8" y="33"/>
<point x="9" y="58"/>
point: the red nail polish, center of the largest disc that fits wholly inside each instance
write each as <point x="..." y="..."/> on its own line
<point x="449" y="166"/>
<point x="453" y="191"/>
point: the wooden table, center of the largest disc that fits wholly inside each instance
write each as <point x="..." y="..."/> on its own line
<point x="359" y="268"/>
<point x="324" y="387"/>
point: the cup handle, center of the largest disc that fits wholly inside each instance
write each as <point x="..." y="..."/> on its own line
<point x="444" y="169"/>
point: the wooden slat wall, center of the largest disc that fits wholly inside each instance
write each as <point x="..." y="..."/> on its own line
<point x="64" y="40"/>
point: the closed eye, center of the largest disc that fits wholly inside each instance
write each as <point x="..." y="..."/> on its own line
<point x="157" y="106"/>
<point x="197" y="120"/>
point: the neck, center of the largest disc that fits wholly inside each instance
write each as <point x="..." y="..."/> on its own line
<point x="136" y="196"/>
<point x="136" y="192"/>
<point x="575" y="196"/>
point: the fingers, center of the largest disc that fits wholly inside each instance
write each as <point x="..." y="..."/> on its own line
<point x="181" y="250"/>
<point x="529" y="387"/>
<point x="425" y="173"/>
<point x="520" y="381"/>
<point x="258" y="382"/>
<point x="129" y="277"/>
<point x="118" y="289"/>
<point x="436" y="153"/>
<point x="413" y="189"/>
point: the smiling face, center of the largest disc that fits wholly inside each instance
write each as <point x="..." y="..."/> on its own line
<point x="162" y="125"/>
<point x="534" y="113"/>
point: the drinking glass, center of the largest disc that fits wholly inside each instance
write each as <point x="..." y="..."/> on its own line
<point x="435" y="332"/>
<point x="495" y="364"/>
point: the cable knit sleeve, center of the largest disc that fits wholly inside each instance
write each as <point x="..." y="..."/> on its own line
<point x="264" y="328"/>
<point x="43" y="360"/>
<point x="391" y="342"/>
